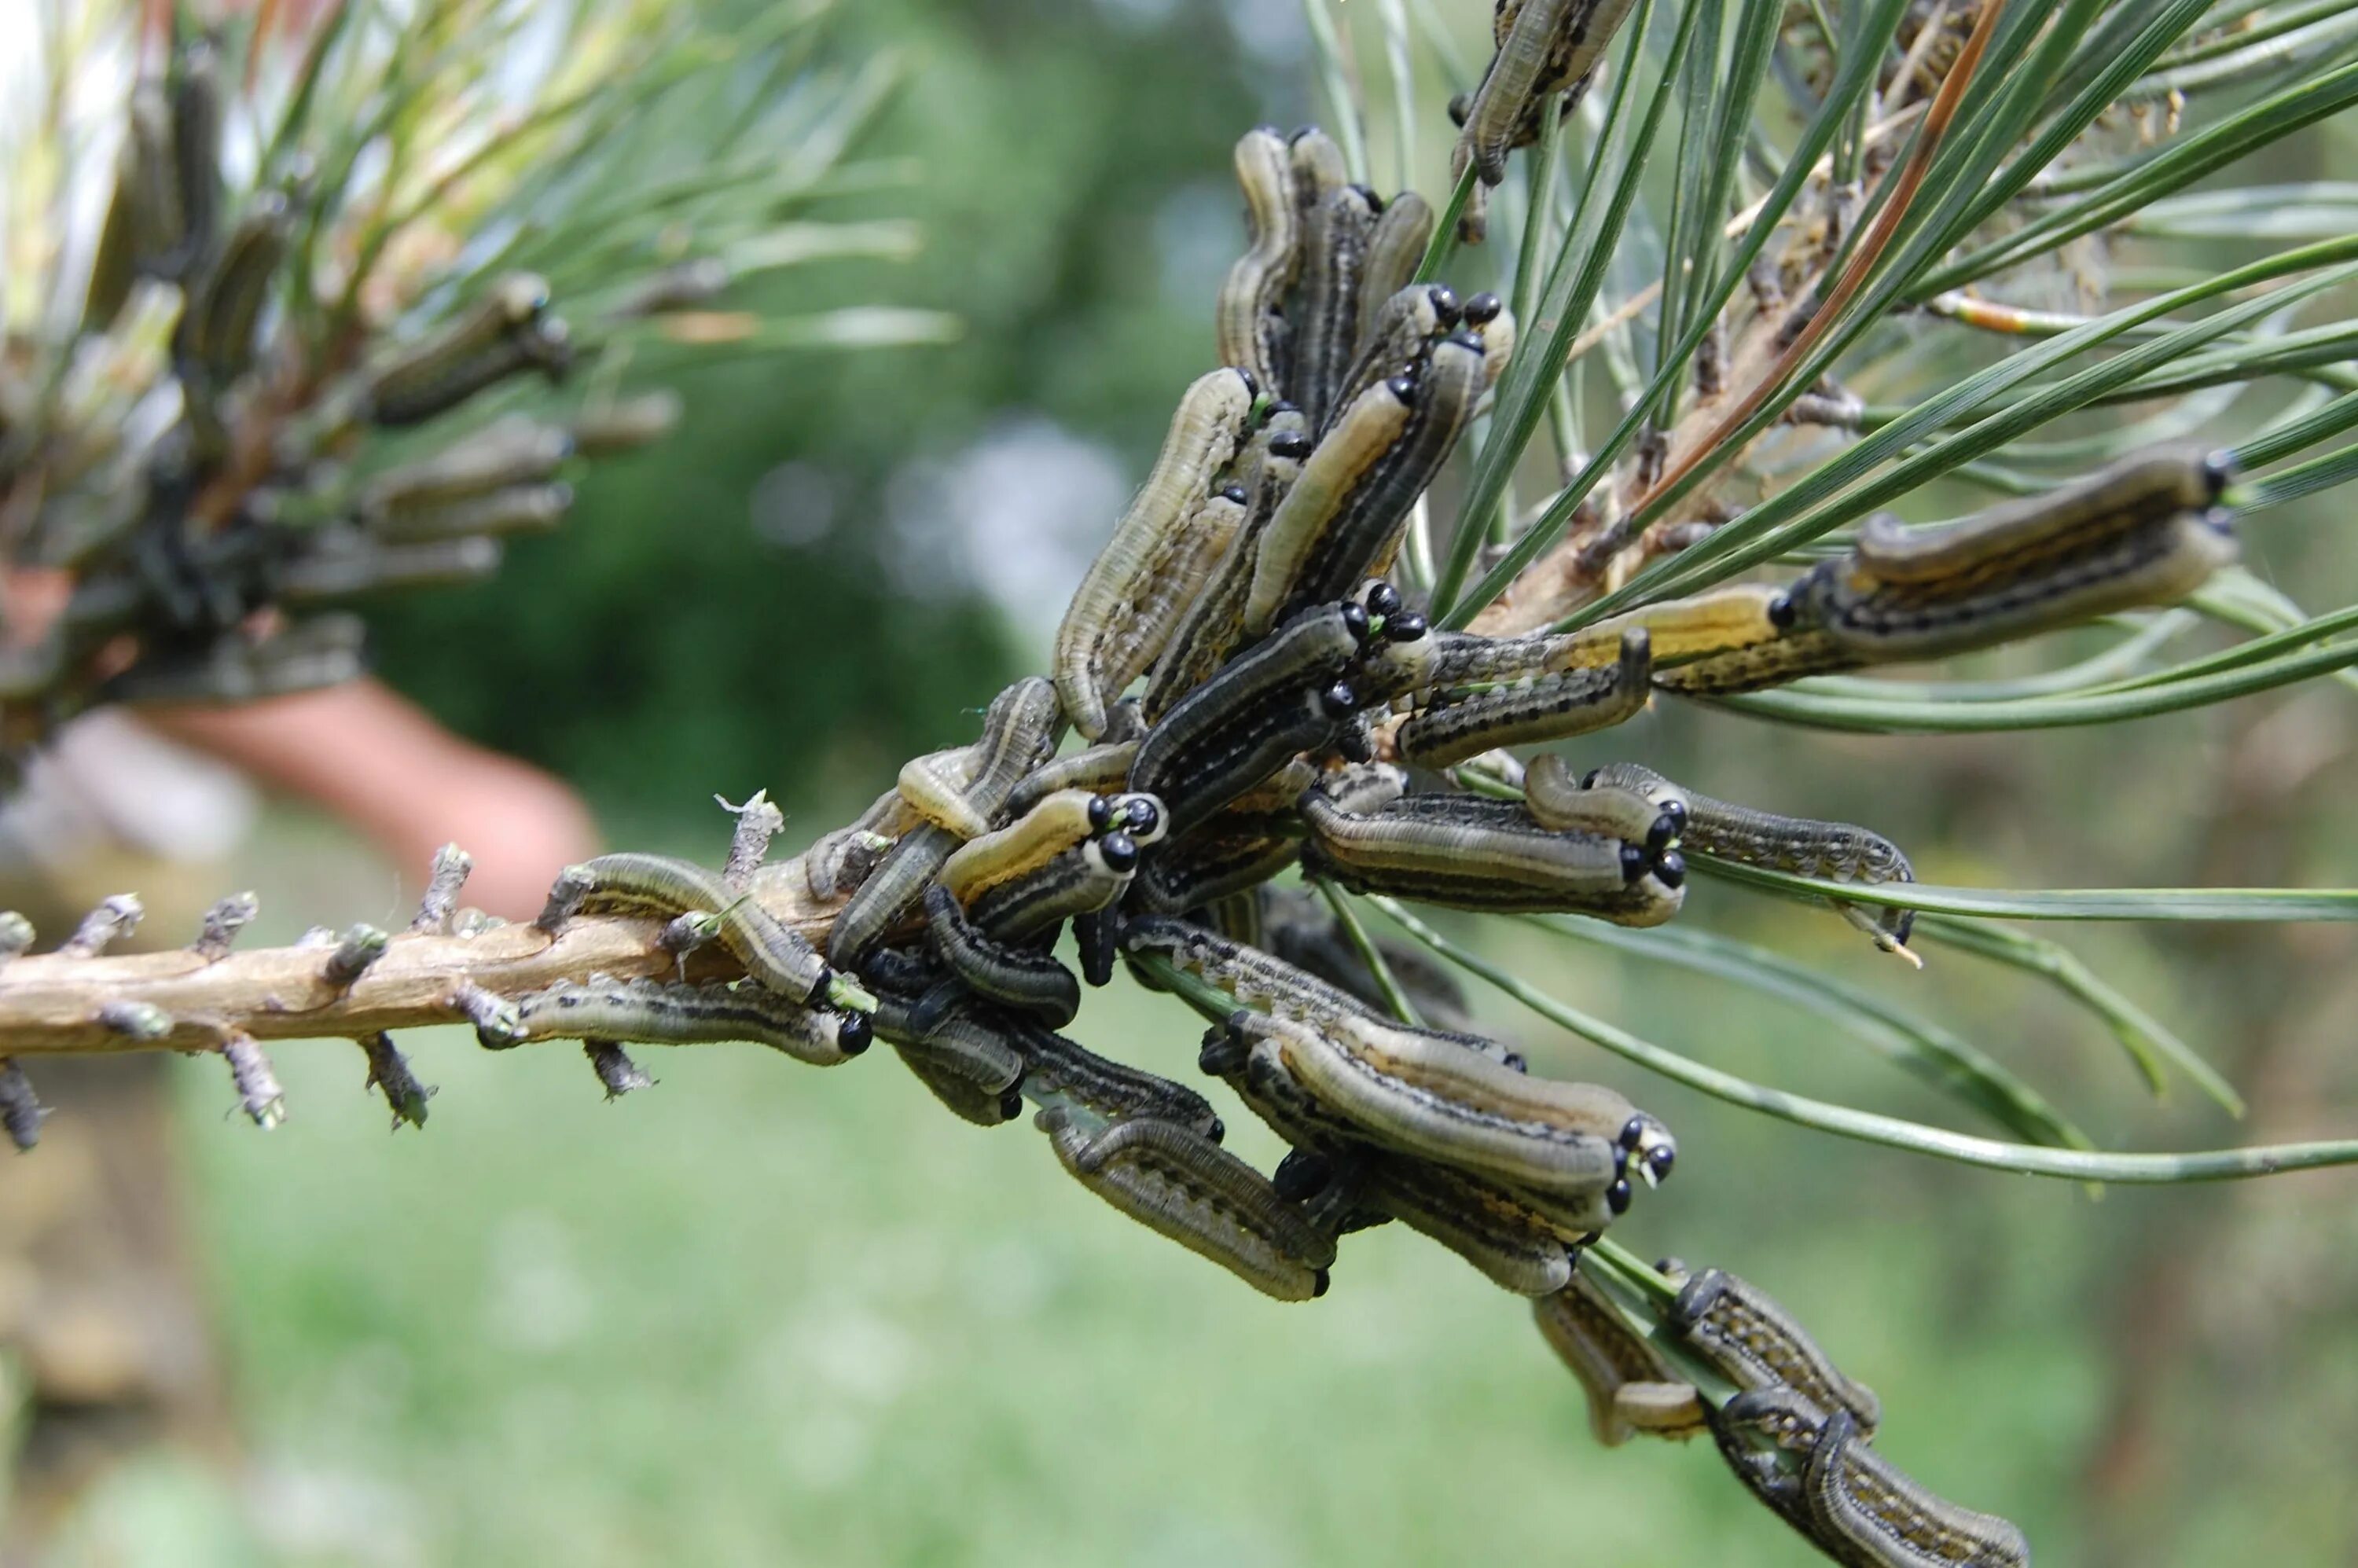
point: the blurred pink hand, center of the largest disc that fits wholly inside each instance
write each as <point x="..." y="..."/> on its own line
<point x="376" y="761"/>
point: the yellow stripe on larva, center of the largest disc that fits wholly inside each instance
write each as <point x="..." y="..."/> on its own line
<point x="935" y="787"/>
<point x="1248" y="321"/>
<point x="1358" y="441"/>
<point x="2140" y="490"/>
<point x="1204" y="435"/>
<point x="1557" y="802"/>
<point x="1054" y="825"/>
<point x="1139" y="637"/>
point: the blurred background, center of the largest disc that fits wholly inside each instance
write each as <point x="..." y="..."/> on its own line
<point x="764" y="1316"/>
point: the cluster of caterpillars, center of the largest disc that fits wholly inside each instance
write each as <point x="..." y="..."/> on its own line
<point x="265" y="492"/>
<point x="1249" y="694"/>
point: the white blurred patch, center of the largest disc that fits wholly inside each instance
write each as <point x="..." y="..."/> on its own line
<point x="1273" y="34"/>
<point x="309" y="1512"/>
<point x="796" y="504"/>
<point x="107" y="781"/>
<point x="1019" y="513"/>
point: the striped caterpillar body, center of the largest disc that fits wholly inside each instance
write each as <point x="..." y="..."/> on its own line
<point x="1630" y="1386"/>
<point x="650" y="1013"/>
<point x="1205" y="434"/>
<point x="1182" y="1185"/>
<point x="1475" y="853"/>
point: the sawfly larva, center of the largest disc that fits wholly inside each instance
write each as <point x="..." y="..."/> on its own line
<point x="650" y="1012"/>
<point x="1284" y="697"/>
<point x="504" y="454"/>
<point x="1396" y="248"/>
<point x="1182" y="1185"/>
<point x="1560" y="803"/>
<point x="1250" y="326"/>
<point x="1462" y="721"/>
<point x="503" y="332"/>
<point x="1213" y="626"/>
<point x="1870" y="1511"/>
<point x="1056" y="1066"/>
<point x="1755" y="1343"/>
<point x="1025" y="978"/>
<point x="1475" y="853"/>
<point x="1630" y="1388"/>
<point x="1335" y="232"/>
<point x="661" y="886"/>
<point x="1430" y="1098"/>
<point x="1246" y="973"/>
<point x="1343" y="520"/>
<point x="2024" y="536"/>
<point x="1209" y="426"/>
<point x="1832" y="851"/>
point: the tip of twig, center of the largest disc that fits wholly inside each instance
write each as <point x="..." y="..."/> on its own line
<point x="20" y="1112"/>
<point x="140" y="1021"/>
<point x="451" y="865"/>
<point x="565" y="897"/>
<point x="223" y="922"/>
<point x="257" y="1085"/>
<point x="360" y="947"/>
<point x="16" y="935"/>
<point x="113" y="919"/>
<point x="389" y="1073"/>
<point x="615" y="1069"/>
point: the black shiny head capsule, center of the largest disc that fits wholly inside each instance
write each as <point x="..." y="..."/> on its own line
<point x="1635" y="863"/>
<point x="1515" y="1062"/>
<point x="1318" y="1283"/>
<point x="1294" y="444"/>
<point x="1216" y="1130"/>
<point x="1355" y="620"/>
<point x="1445" y="309"/>
<point x="854" y="1034"/>
<point x="1633" y="1132"/>
<point x="1252" y="381"/>
<point x="1144" y="817"/>
<point x="1676" y="810"/>
<point x="1383" y="599"/>
<point x="1481" y="309"/>
<point x="1356" y="744"/>
<point x="1101" y="814"/>
<point x="1588" y="780"/>
<point x="1405" y="627"/>
<point x="1467" y="341"/>
<point x="1663" y="834"/>
<point x="1671" y="871"/>
<point x="1010" y="1105"/>
<point x="2218" y="470"/>
<point x="1237" y="493"/>
<point x="823" y="980"/>
<point x="1223" y="1050"/>
<point x="1338" y="701"/>
<point x="1780" y="613"/>
<point x="1617" y="1197"/>
<point x="1118" y="851"/>
<point x="1403" y="387"/>
<point x="1302" y="1175"/>
<point x="1659" y="1160"/>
